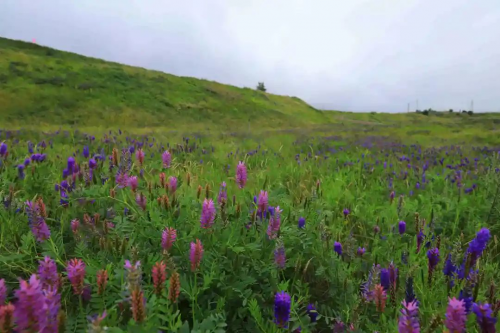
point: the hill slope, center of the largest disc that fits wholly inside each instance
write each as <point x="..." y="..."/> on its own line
<point x="40" y="85"/>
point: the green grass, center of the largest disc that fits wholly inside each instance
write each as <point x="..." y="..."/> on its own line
<point x="45" y="88"/>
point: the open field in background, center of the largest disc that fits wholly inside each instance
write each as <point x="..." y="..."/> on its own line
<point x="334" y="220"/>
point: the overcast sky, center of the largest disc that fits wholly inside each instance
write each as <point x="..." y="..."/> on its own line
<point x="356" y="55"/>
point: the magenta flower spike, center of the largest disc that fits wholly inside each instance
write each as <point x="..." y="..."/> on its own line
<point x="455" y="316"/>
<point x="241" y="175"/>
<point x="30" y="311"/>
<point x="168" y="237"/>
<point x="207" y="214"/>
<point x="166" y="159"/>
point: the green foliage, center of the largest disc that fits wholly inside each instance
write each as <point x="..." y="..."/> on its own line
<point x="261" y="86"/>
<point x="234" y="288"/>
<point x="39" y="85"/>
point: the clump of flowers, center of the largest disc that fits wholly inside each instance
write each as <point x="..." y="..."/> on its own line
<point x="379" y="297"/>
<point x="76" y="275"/>
<point x="280" y="257"/>
<point x="166" y="159"/>
<point x="159" y="277"/>
<point x="337" y="247"/>
<point x="241" y="175"/>
<point x="168" y="237"/>
<point x="196" y="254"/>
<point x="455" y="316"/>
<point x="174" y="287"/>
<point x="30" y="310"/>
<point x="47" y="272"/>
<point x="408" y="321"/>
<point x="274" y="224"/>
<point x="102" y="281"/>
<point x="478" y="244"/>
<point x="36" y="221"/>
<point x="134" y="274"/>
<point x="172" y="184"/>
<point x="140" y="198"/>
<point x="282" y="305"/>
<point x="222" y="196"/>
<point x="484" y="317"/>
<point x="207" y="214"/>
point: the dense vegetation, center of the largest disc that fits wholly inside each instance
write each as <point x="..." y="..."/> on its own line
<point x="348" y="228"/>
<point x="226" y="209"/>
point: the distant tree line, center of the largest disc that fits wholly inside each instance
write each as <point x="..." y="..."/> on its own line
<point x="426" y="112"/>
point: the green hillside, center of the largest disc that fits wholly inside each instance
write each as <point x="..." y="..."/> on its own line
<point x="42" y="88"/>
<point x="40" y="85"/>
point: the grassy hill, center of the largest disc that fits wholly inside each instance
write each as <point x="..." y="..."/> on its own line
<point x="43" y="88"/>
<point x="40" y="85"/>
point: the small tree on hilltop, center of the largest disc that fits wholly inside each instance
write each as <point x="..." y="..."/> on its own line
<point x="261" y="86"/>
<point x="451" y="110"/>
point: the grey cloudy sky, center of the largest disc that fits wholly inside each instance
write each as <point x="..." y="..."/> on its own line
<point x="357" y="55"/>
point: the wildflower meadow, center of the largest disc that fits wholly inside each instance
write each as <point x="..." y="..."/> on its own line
<point x="122" y="232"/>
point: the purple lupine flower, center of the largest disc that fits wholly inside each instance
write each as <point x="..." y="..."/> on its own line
<point x="402" y="227"/>
<point x="3" y="149"/>
<point x="166" y="159"/>
<point x="346" y="212"/>
<point x="27" y="162"/>
<point x="222" y="197"/>
<point x="312" y="313"/>
<point x="92" y="163"/>
<point x="47" y="271"/>
<point x="20" y="171"/>
<point x="71" y="164"/>
<point x="466" y="296"/>
<point x="53" y="303"/>
<point x="282" y="304"/>
<point x="433" y="256"/>
<point x="280" y="257"/>
<point x="274" y="224"/>
<point x="484" y="317"/>
<point x="263" y="201"/>
<point x="455" y="316"/>
<point x="36" y="222"/>
<point x="140" y="199"/>
<point x="337" y="247"/>
<point x="449" y="269"/>
<point x="408" y="321"/>
<point x="478" y="244"/>
<point x="30" y="311"/>
<point x="86" y="152"/>
<point x="241" y="174"/>
<point x="361" y="251"/>
<point x="3" y="292"/>
<point x="207" y="214"/>
<point x="302" y="223"/>
<point x="133" y="183"/>
<point x="172" y="184"/>
<point x="385" y="279"/>
<point x="121" y="179"/>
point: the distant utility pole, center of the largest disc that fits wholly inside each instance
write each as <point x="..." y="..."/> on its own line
<point x="408" y="110"/>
